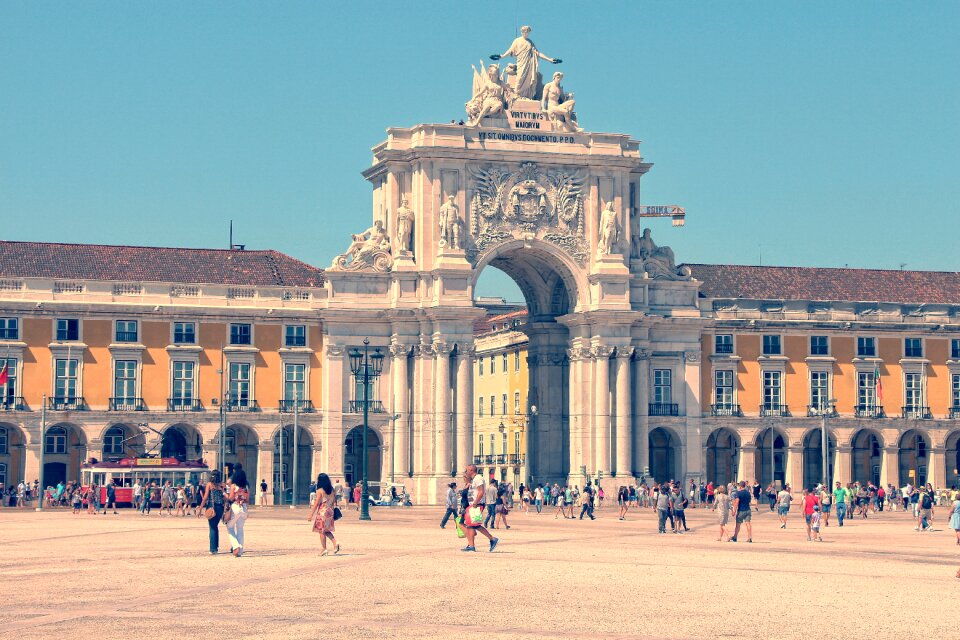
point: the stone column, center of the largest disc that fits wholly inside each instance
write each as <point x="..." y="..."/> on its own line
<point x="422" y="411"/>
<point x="890" y="467"/>
<point x="31" y="470"/>
<point x="401" y="407"/>
<point x="641" y="385"/>
<point x="265" y="468"/>
<point x="578" y="425"/>
<point x="843" y="468"/>
<point x="937" y="467"/>
<point x="602" y="407"/>
<point x="442" y="416"/>
<point x="747" y="467"/>
<point x="692" y="409"/>
<point x="533" y="425"/>
<point x="316" y="464"/>
<point x="464" y="410"/>
<point x="794" y="467"/>
<point x="624" y="443"/>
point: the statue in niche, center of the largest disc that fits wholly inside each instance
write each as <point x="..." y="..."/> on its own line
<point x="609" y="234"/>
<point x="451" y="225"/>
<point x="369" y="250"/>
<point x="405" y="220"/>
<point x="528" y="79"/>
<point x="658" y="262"/>
<point x="559" y="105"/>
<point x="488" y="94"/>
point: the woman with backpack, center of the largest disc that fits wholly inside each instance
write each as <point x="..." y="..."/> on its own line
<point x="324" y="513"/>
<point x="213" y="502"/>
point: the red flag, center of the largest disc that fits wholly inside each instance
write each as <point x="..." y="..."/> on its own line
<point x="879" y="385"/>
<point x="4" y="374"/>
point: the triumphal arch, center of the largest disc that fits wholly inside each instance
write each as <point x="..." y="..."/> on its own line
<point x="523" y="186"/>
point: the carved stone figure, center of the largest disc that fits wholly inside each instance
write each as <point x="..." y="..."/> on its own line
<point x="405" y="220"/>
<point x="609" y="232"/>
<point x="369" y="250"/>
<point x="528" y="57"/>
<point x="559" y="105"/>
<point x="451" y="225"/>
<point x="658" y="262"/>
<point x="488" y="94"/>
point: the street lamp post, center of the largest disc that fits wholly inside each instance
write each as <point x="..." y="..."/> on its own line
<point x="43" y="445"/>
<point x="825" y="440"/>
<point x="296" y="445"/>
<point x="369" y="366"/>
<point x="221" y="451"/>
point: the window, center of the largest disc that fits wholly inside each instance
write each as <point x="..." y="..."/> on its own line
<point x="955" y="349"/>
<point x="516" y="442"/>
<point x="493" y="365"/>
<point x="516" y="403"/>
<point x="819" y="346"/>
<point x="68" y="330"/>
<point x="662" y="386"/>
<point x="230" y="441"/>
<point x="493" y="448"/>
<point x="504" y="363"/>
<point x="912" y="391"/>
<point x="184" y="333"/>
<point x="480" y="407"/>
<point x="373" y="390"/>
<point x="772" y="390"/>
<point x="126" y="331"/>
<point x="56" y="441"/>
<point x="503" y="443"/>
<point x="294" y="376"/>
<point x="819" y="390"/>
<point x="955" y="390"/>
<point x="723" y="343"/>
<point x="866" y="347"/>
<point x="240" y="383"/>
<point x="239" y="334"/>
<point x="125" y="379"/>
<point x="723" y="388"/>
<point x="3" y="474"/>
<point x="113" y="442"/>
<point x="480" y="444"/>
<point x="771" y="346"/>
<point x="9" y="390"/>
<point x="493" y="406"/>
<point x="65" y="379"/>
<point x="182" y="383"/>
<point x="516" y="361"/>
<point x="479" y="366"/>
<point x="9" y="329"/>
<point x="866" y="390"/>
<point x="504" y="407"/>
<point x="912" y="348"/>
<point x="295" y="335"/>
<point x="4" y="441"/>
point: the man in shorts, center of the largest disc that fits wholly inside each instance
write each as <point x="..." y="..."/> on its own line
<point x="784" y="498"/>
<point x="475" y="499"/>
<point x="741" y="506"/>
<point x="810" y="500"/>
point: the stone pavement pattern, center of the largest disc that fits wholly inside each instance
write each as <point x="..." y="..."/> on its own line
<point x="400" y="576"/>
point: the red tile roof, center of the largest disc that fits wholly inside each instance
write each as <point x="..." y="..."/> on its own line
<point x="822" y="284"/>
<point x="154" y="264"/>
<point x="495" y="323"/>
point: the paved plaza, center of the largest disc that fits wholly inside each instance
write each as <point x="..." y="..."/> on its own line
<point x="400" y="576"/>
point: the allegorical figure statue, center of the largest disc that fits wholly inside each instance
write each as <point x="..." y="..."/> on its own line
<point x="371" y="240"/>
<point x="528" y="64"/>
<point x="658" y="262"/>
<point x="405" y="220"/>
<point x="450" y="224"/>
<point x="488" y="94"/>
<point x="559" y="105"/>
<point x="609" y="235"/>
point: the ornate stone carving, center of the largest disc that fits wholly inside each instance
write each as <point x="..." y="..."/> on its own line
<point x="558" y="105"/>
<point x="423" y="350"/>
<point x="526" y="79"/>
<point x="399" y="350"/>
<point x="692" y="356"/>
<point x="369" y="251"/>
<point x="466" y="350"/>
<point x="641" y="354"/>
<point x="608" y="240"/>
<point x="602" y="351"/>
<point x="405" y="222"/>
<point x="442" y="349"/>
<point x="657" y="262"/>
<point x="624" y="353"/>
<point x="489" y="95"/>
<point x="451" y="225"/>
<point x="334" y="350"/>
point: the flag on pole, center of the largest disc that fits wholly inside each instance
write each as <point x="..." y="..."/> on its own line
<point x="878" y="384"/>
<point x="4" y="373"/>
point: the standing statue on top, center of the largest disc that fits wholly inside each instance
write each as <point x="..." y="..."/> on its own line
<point x="528" y="79"/>
<point x="450" y="224"/>
<point x="608" y="239"/>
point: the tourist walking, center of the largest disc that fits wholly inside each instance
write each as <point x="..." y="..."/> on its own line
<point x="504" y="504"/>
<point x="238" y="499"/>
<point x="262" y="496"/>
<point x="473" y="516"/>
<point x="587" y="501"/>
<point x="784" y="498"/>
<point x="678" y="502"/>
<point x="490" y="499"/>
<point x="809" y="502"/>
<point x="213" y="501"/>
<point x="451" y="504"/>
<point x="815" y="523"/>
<point x="826" y="501"/>
<point x="623" y="500"/>
<point x="538" y="498"/>
<point x="662" y="505"/>
<point x="741" y="506"/>
<point x="111" y="499"/>
<point x="757" y="490"/>
<point x="955" y="516"/>
<point x="721" y="503"/>
<point x="840" y="499"/>
<point x="324" y="514"/>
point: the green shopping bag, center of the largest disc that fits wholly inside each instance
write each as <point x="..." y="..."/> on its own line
<point x="460" y="532"/>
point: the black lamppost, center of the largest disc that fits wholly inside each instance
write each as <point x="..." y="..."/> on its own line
<point x="369" y="365"/>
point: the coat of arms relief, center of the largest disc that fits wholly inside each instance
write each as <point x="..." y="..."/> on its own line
<point x="530" y="200"/>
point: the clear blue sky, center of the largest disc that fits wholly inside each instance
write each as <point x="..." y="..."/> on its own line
<point x="826" y="133"/>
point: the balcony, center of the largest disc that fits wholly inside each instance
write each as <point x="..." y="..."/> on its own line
<point x="477" y="459"/>
<point x="725" y="410"/>
<point x="301" y="406"/>
<point x="240" y="405"/>
<point x="916" y="412"/>
<point x="488" y="459"/>
<point x="126" y="336"/>
<point x="663" y="409"/>
<point x="184" y="404"/>
<point x="954" y="413"/>
<point x="868" y="411"/>
<point x="127" y="404"/>
<point x="356" y="406"/>
<point x="774" y="411"/>
<point x="66" y="403"/>
<point x="12" y="403"/>
<point x="517" y="459"/>
<point x="828" y="410"/>
<point x="502" y="458"/>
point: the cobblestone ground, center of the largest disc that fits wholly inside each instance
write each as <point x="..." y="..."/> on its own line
<point x="401" y="576"/>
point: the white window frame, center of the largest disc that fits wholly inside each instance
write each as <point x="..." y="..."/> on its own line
<point x="658" y="387"/>
<point x="779" y="337"/>
<point x="5" y="320"/>
<point x="815" y="403"/>
<point x="922" y="347"/>
<point x="194" y="367"/>
<point x="778" y="375"/>
<point x="230" y="343"/>
<point x="306" y="337"/>
<point x="810" y="345"/>
<point x="857" y="347"/>
<point x="173" y="332"/>
<point x="79" y="329"/>
<point x="136" y="378"/>
<point x="116" y="330"/>
<point x="733" y="345"/>
<point x="732" y="387"/>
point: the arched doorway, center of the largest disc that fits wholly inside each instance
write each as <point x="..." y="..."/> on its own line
<point x="240" y="446"/>
<point x="352" y="457"/>
<point x="813" y="458"/>
<point x="663" y="455"/>
<point x="181" y="441"/>
<point x="953" y="460"/>
<point x="914" y="449"/>
<point x="286" y="458"/>
<point x="64" y="450"/>
<point x="771" y="458"/>
<point x="122" y="441"/>
<point x="723" y="456"/>
<point x="867" y="456"/>
<point x="12" y="455"/>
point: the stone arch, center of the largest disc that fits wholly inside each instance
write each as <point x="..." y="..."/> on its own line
<point x="283" y="464"/>
<point x="182" y="441"/>
<point x="952" y="458"/>
<point x="771" y="456"/>
<point x="723" y="456"/>
<point x="813" y="457"/>
<point x="913" y="457"/>
<point x="65" y="450"/>
<point x="241" y="443"/>
<point x="12" y="453"/>
<point x="664" y="445"/>
<point x="866" y="456"/>
<point x="122" y="440"/>
<point x="352" y="456"/>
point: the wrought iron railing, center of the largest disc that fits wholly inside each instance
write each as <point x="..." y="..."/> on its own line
<point x="868" y="411"/>
<point x="356" y="406"/>
<point x="239" y="405"/>
<point x="127" y="404"/>
<point x="916" y="412"/>
<point x="303" y="406"/>
<point x="774" y="410"/>
<point x="184" y="404"/>
<point x="66" y="403"/>
<point x="663" y="409"/>
<point x="828" y="410"/>
<point x="725" y="410"/>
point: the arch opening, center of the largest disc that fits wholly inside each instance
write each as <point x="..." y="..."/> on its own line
<point x="353" y="458"/>
<point x="723" y="456"/>
<point x="913" y="458"/>
<point x="663" y="454"/>
<point x="771" y="458"/>
<point x="288" y="460"/>
<point x="867" y="456"/>
<point x="813" y="458"/>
